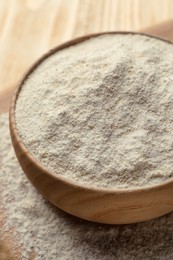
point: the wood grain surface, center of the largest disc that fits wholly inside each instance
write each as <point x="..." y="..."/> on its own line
<point x="28" y="28"/>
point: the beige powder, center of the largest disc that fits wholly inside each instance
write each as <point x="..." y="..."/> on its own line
<point x="100" y="113"/>
<point x="40" y="228"/>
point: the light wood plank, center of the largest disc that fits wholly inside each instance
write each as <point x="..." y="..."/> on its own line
<point x="29" y="28"/>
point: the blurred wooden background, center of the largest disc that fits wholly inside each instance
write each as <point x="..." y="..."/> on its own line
<point x="29" y="28"/>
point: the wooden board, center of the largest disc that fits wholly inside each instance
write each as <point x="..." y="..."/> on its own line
<point x="29" y="28"/>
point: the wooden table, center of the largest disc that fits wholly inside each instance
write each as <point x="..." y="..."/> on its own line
<point x="29" y="28"/>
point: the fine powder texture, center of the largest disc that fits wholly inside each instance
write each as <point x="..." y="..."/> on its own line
<point x="42" y="230"/>
<point x="100" y="113"/>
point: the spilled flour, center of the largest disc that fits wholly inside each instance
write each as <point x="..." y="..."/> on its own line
<point x="53" y="235"/>
<point x="100" y="113"/>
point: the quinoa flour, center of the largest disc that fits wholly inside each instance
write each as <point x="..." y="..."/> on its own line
<point x="100" y="113"/>
<point x="47" y="233"/>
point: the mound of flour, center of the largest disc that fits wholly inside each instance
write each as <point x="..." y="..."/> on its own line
<point x="100" y="113"/>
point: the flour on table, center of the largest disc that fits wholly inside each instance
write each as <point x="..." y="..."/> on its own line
<point x="54" y="235"/>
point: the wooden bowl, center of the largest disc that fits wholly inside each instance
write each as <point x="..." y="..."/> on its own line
<point x="112" y="206"/>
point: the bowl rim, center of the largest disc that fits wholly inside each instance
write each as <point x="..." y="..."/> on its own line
<point x="39" y="165"/>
